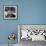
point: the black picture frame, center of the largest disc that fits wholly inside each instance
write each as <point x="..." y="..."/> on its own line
<point x="12" y="10"/>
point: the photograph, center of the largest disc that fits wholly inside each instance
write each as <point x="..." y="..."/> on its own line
<point x="33" y="32"/>
<point x="10" y="12"/>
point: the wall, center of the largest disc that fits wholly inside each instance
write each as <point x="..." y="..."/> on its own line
<point x="29" y="12"/>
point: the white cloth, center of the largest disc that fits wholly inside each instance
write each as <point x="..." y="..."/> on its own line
<point x="37" y="37"/>
<point x="24" y="33"/>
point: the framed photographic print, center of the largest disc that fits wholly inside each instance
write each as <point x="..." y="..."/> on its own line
<point x="32" y="32"/>
<point x="10" y="12"/>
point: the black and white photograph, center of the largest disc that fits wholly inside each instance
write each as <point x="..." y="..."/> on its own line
<point x="10" y="12"/>
<point x="33" y="32"/>
<point x="32" y="35"/>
